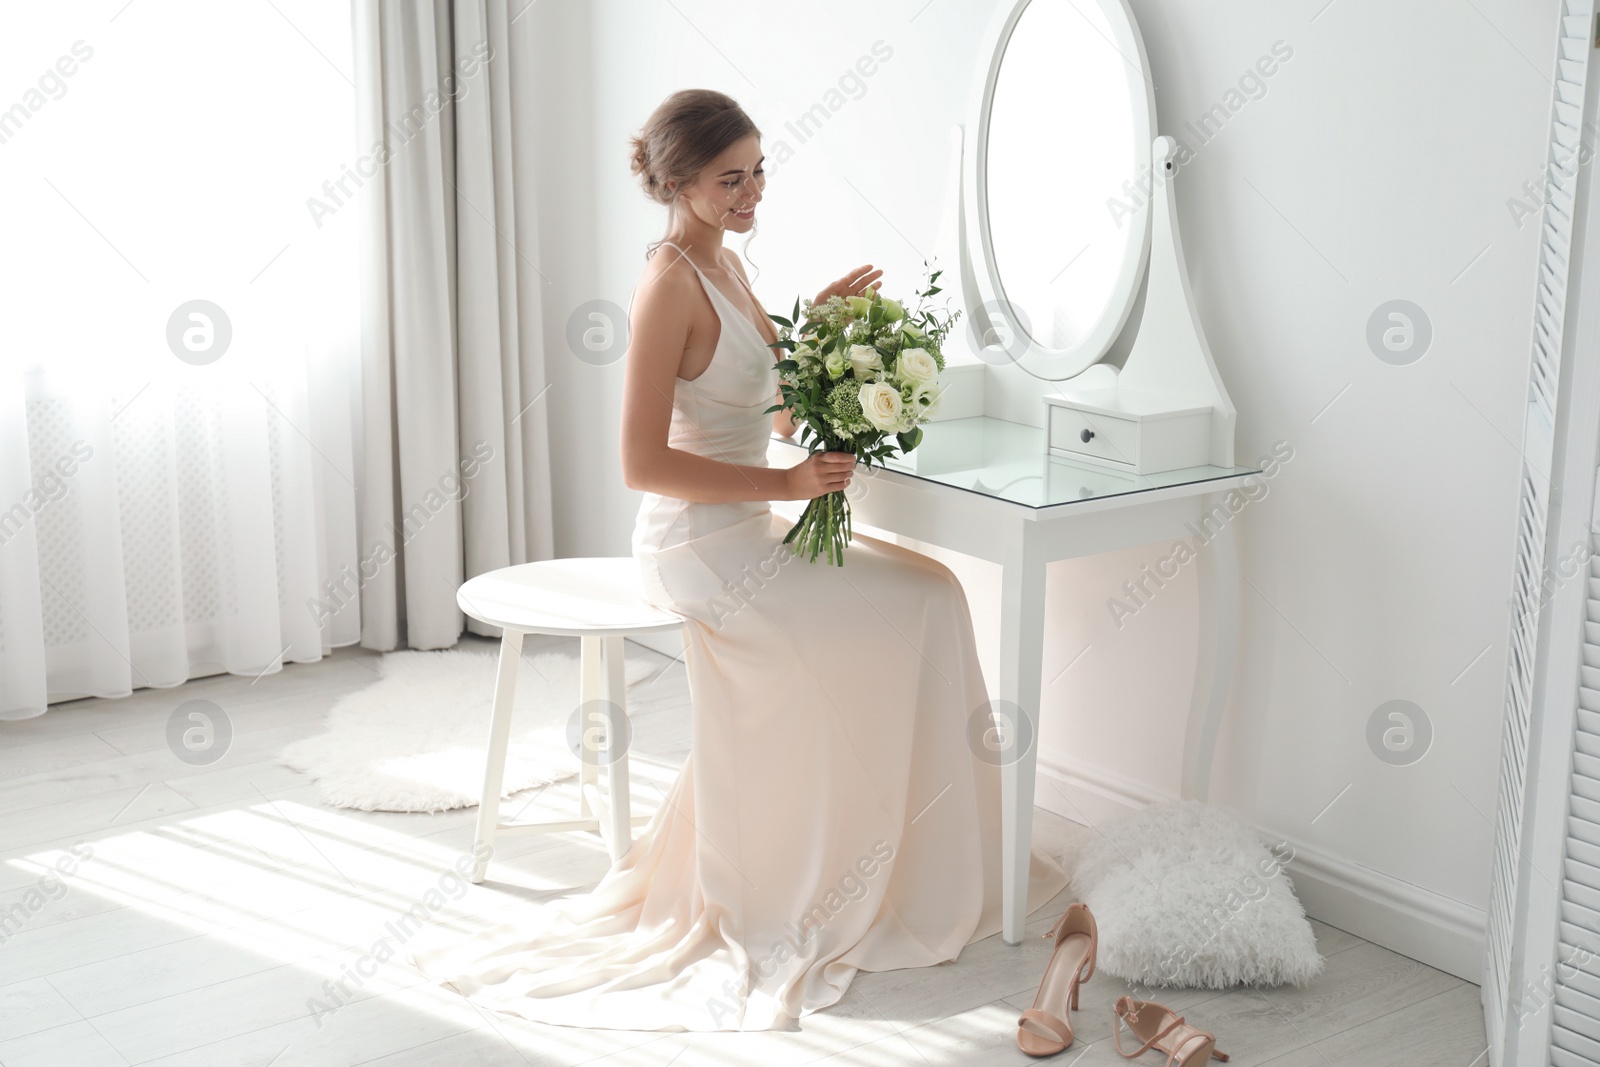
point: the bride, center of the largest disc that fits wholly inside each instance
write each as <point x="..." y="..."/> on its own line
<point x="831" y="816"/>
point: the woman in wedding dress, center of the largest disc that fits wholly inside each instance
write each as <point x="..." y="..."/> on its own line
<point x="831" y="816"/>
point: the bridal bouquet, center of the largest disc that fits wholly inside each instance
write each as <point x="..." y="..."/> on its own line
<point x="862" y="376"/>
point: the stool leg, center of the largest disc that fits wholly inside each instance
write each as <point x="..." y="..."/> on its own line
<point x="591" y="689"/>
<point x="494" y="771"/>
<point x="618" y="737"/>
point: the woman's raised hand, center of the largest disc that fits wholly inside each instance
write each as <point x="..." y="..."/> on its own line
<point x="850" y="284"/>
<point x="819" y="473"/>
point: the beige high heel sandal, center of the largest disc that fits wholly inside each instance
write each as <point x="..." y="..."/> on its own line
<point x="1151" y="1022"/>
<point x="1046" y="1028"/>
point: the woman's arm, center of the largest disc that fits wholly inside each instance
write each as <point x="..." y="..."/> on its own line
<point x="659" y="334"/>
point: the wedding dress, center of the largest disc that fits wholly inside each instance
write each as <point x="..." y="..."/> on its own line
<point x="831" y="816"/>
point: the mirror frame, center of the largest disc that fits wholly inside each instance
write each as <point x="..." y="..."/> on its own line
<point x="1057" y="364"/>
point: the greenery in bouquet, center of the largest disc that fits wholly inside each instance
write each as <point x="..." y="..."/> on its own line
<point x="861" y="375"/>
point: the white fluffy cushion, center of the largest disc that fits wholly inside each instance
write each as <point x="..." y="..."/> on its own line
<point x="417" y="738"/>
<point x="1184" y="894"/>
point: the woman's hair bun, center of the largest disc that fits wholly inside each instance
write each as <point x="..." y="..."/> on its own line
<point x="640" y="162"/>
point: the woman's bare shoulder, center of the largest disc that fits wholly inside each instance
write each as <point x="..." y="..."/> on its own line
<point x="666" y="280"/>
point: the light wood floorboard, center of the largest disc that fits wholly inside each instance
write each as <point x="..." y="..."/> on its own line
<point x="218" y="900"/>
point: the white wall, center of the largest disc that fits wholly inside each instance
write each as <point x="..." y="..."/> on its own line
<point x="1377" y="165"/>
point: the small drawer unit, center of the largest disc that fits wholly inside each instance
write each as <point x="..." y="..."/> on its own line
<point x="1137" y="435"/>
<point x="1094" y="436"/>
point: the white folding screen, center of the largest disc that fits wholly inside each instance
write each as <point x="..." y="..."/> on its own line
<point x="1575" y="984"/>
<point x="1541" y="989"/>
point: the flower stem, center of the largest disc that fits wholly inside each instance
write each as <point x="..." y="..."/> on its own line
<point x="822" y="529"/>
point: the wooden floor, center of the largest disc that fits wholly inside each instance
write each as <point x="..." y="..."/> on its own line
<point x="217" y="901"/>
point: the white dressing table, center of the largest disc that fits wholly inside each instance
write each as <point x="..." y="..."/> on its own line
<point x="985" y="487"/>
<point x="1060" y="224"/>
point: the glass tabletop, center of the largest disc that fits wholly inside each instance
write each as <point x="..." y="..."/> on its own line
<point x="1008" y="461"/>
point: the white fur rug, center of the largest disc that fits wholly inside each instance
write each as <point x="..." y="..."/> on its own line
<point x="1184" y="894"/>
<point x="416" y="739"/>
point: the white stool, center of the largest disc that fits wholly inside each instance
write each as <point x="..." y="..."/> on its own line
<point x="600" y="600"/>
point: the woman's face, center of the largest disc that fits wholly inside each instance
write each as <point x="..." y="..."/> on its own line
<point x="726" y="192"/>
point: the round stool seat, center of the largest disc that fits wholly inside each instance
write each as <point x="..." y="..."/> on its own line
<point x="583" y="596"/>
<point x="599" y="599"/>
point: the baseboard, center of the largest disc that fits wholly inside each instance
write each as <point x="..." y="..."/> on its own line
<point x="1430" y="928"/>
<point x="1405" y="918"/>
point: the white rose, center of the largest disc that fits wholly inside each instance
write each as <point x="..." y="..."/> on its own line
<point x="881" y="404"/>
<point x="916" y="365"/>
<point x="864" y="359"/>
<point x="924" y="389"/>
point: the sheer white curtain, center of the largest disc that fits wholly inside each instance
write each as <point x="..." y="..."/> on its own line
<point x="163" y="513"/>
<point x="169" y="529"/>
<point x="345" y="189"/>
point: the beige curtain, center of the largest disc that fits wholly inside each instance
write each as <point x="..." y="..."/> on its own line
<point x="454" y="471"/>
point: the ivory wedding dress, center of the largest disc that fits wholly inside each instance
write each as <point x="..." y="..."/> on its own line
<point x="831" y="816"/>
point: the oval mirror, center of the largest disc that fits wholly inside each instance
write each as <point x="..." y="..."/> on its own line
<point x="1064" y="134"/>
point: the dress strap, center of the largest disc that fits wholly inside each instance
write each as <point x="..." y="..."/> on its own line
<point x="746" y="285"/>
<point x="685" y="255"/>
<point x="702" y="273"/>
<point x="711" y="285"/>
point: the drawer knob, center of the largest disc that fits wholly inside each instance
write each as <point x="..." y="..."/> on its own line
<point x="1085" y="435"/>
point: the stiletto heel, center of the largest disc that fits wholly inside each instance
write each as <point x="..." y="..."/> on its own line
<point x="1150" y="1021"/>
<point x="1046" y="1028"/>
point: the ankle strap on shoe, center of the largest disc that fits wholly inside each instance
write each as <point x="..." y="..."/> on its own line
<point x="1123" y="1010"/>
<point x="1054" y="933"/>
